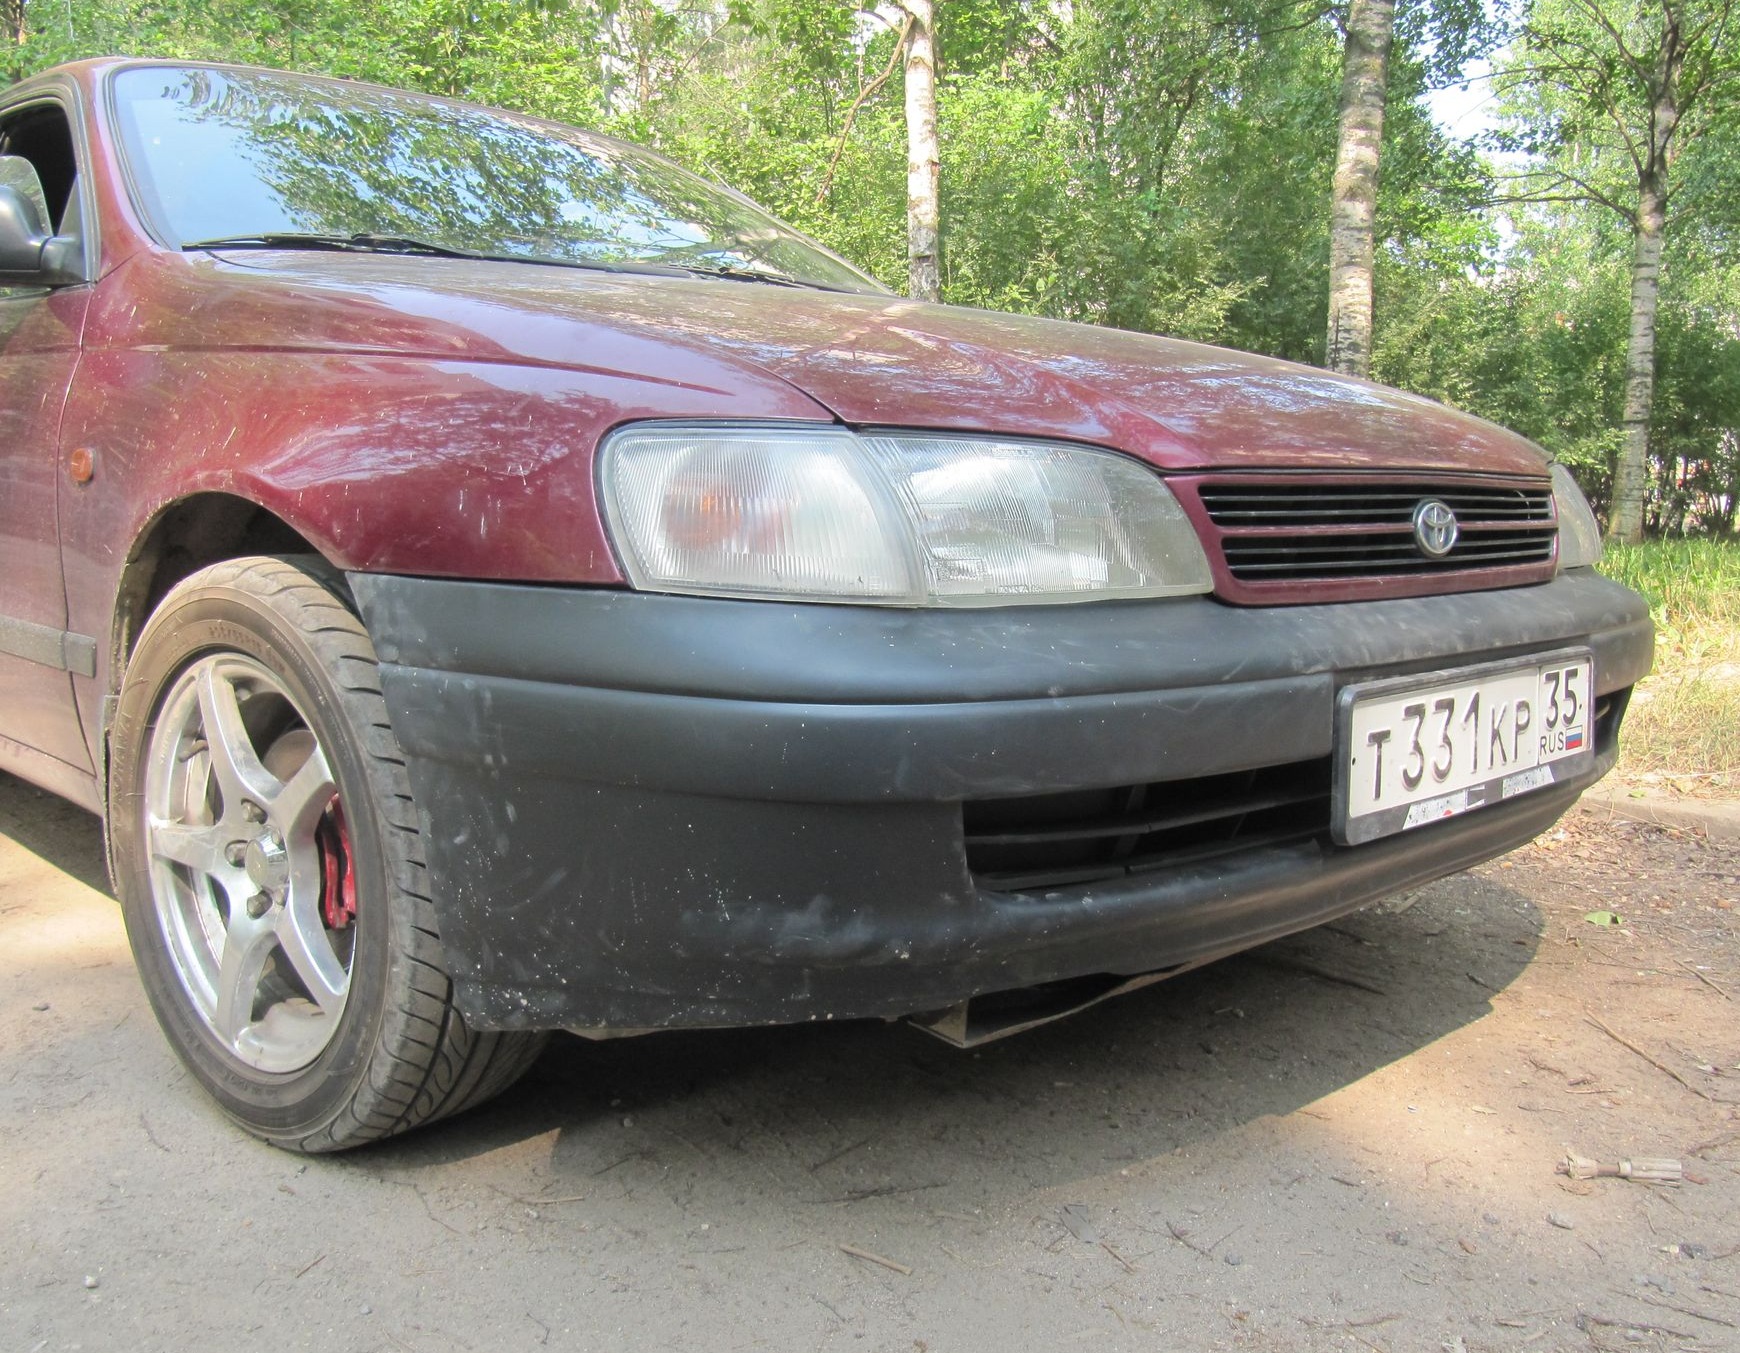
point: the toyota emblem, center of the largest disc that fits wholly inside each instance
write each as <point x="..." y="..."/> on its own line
<point x="1435" y="528"/>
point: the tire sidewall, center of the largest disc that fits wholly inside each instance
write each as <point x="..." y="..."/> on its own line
<point x="196" y="621"/>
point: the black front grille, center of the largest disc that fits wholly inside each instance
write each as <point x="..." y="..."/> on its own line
<point x="1055" y="840"/>
<point x="1285" y="530"/>
<point x="1089" y="836"/>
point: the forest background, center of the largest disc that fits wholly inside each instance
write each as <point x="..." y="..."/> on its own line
<point x="1187" y="167"/>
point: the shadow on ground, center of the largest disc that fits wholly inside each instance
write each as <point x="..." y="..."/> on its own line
<point x="843" y="1112"/>
<point x="860" y="1110"/>
<point x="57" y="832"/>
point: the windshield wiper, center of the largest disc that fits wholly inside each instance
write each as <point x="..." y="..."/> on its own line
<point x="729" y="273"/>
<point x="401" y="244"/>
<point x="367" y="243"/>
<point x="359" y="243"/>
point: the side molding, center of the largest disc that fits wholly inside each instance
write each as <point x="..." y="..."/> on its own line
<point x="62" y="649"/>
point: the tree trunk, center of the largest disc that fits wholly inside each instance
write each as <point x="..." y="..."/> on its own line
<point x="1631" y="475"/>
<point x="924" y="280"/>
<point x="1364" y="81"/>
<point x="12" y="17"/>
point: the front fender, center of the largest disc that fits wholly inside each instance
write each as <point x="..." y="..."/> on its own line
<point x="384" y="463"/>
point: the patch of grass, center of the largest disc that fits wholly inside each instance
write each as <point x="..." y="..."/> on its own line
<point x="1689" y="583"/>
<point x="1685" y="718"/>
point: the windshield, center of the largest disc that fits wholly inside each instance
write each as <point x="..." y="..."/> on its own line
<point x="258" y="155"/>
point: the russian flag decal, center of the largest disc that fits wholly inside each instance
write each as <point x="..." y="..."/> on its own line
<point x="1573" y="740"/>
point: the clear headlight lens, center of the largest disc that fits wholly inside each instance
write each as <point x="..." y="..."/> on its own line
<point x="1579" y="532"/>
<point x="823" y="514"/>
<point x="753" y="513"/>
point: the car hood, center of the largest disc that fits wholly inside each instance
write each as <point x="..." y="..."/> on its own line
<point x="865" y="359"/>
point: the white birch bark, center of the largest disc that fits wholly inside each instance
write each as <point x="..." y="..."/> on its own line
<point x="1631" y="473"/>
<point x="1353" y="207"/>
<point x="1625" y="520"/>
<point x="923" y="159"/>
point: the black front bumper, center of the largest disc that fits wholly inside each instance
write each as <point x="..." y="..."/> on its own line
<point x="647" y="811"/>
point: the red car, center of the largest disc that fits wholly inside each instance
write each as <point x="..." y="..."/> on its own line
<point x="494" y="581"/>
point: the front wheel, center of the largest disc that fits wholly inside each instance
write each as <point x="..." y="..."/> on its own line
<point x="270" y="867"/>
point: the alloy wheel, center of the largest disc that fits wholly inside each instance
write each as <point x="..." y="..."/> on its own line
<point x="250" y="866"/>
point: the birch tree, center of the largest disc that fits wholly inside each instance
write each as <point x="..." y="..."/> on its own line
<point x="1353" y="204"/>
<point x="1610" y="94"/>
<point x="923" y="158"/>
<point x="1435" y="38"/>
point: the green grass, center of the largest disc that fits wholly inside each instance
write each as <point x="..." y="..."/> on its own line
<point x="1684" y="721"/>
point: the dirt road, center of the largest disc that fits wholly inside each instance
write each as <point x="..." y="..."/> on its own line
<point x="1345" y="1141"/>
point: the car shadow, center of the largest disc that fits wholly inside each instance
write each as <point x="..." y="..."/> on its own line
<point x="842" y="1113"/>
<point x="55" y="830"/>
<point x="851" y="1111"/>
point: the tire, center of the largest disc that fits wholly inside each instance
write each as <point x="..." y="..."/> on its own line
<point x="269" y="862"/>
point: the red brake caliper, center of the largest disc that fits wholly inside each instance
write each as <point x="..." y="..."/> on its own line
<point x="337" y="870"/>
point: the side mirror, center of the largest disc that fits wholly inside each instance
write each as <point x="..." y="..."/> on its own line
<point x="29" y="255"/>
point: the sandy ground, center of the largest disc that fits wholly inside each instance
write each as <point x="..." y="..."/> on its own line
<point x="1345" y="1141"/>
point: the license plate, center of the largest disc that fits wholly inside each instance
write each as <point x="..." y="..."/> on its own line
<point x="1419" y="749"/>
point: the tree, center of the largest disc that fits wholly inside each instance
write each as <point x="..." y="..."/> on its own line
<point x="1609" y="94"/>
<point x="1353" y="205"/>
<point x="923" y="158"/>
<point x="12" y="19"/>
<point x="1447" y="33"/>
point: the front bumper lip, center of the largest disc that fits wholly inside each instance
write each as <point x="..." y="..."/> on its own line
<point x="649" y="811"/>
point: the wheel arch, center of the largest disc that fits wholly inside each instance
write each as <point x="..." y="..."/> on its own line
<point x="181" y="538"/>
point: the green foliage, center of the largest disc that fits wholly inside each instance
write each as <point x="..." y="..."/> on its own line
<point x="1268" y="155"/>
<point x="520" y="54"/>
<point x="1536" y="342"/>
<point x="1535" y="339"/>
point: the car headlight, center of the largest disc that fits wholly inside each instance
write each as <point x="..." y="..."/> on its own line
<point x="1579" y="532"/>
<point x="901" y="519"/>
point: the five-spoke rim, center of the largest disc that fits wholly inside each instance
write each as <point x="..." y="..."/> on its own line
<point x="245" y="838"/>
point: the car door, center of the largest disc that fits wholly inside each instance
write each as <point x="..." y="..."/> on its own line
<point x="40" y="329"/>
